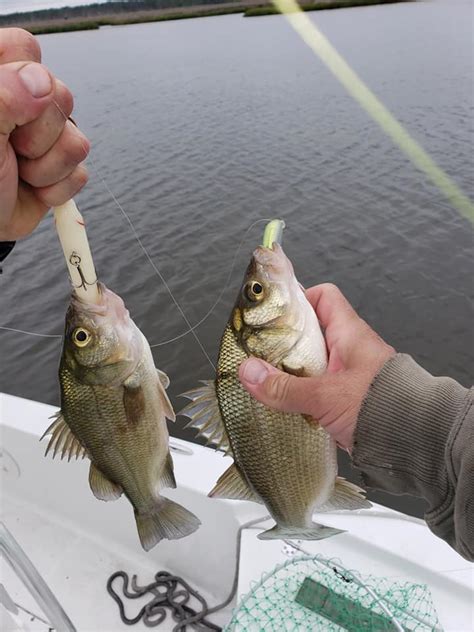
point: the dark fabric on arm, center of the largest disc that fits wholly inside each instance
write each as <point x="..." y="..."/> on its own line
<point x="415" y="435"/>
<point x="5" y="248"/>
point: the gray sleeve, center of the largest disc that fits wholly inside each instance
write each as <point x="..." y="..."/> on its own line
<point x="415" y="435"/>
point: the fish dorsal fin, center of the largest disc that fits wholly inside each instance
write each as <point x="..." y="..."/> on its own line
<point x="167" y="478"/>
<point x="231" y="484"/>
<point x="164" y="379"/>
<point x="205" y="416"/>
<point x="102" y="487"/>
<point x="63" y="440"/>
<point x="346" y="495"/>
<point x="162" y="384"/>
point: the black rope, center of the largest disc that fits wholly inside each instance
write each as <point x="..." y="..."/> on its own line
<point x="169" y="594"/>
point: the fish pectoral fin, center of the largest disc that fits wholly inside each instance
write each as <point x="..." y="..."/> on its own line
<point x="167" y="477"/>
<point x="134" y="402"/>
<point x="313" y="532"/>
<point x="231" y="484"/>
<point x="346" y="495"/>
<point x="205" y="416"/>
<point x="167" y="520"/>
<point x="102" y="487"/>
<point x="63" y="439"/>
<point x="299" y="371"/>
<point x="163" y="383"/>
<point x="163" y="378"/>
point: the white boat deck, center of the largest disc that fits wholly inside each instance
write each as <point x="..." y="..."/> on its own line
<point x="77" y="542"/>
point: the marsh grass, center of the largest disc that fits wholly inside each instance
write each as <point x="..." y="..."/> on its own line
<point x="318" y="6"/>
<point x="249" y="11"/>
<point x="42" y="29"/>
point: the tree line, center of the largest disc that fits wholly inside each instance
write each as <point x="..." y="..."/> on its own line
<point x="103" y="8"/>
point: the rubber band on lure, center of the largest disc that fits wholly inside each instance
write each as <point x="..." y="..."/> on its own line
<point x="273" y="233"/>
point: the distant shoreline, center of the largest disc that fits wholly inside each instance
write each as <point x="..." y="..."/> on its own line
<point x="249" y="8"/>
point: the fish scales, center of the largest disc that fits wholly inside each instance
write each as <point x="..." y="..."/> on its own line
<point x="133" y="454"/>
<point x="283" y="456"/>
<point x="113" y="410"/>
<point x="284" y="460"/>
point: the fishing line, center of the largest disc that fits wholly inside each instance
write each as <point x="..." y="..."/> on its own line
<point x="162" y="278"/>
<point x="196" y="325"/>
<point x="160" y="275"/>
<point x="191" y="328"/>
<point x="30" y="333"/>
<point x="221" y="294"/>
<point x="328" y="54"/>
<point x="140" y="243"/>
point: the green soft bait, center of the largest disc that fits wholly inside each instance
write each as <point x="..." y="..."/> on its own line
<point x="273" y="233"/>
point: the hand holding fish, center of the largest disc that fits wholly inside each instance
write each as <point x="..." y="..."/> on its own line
<point x="356" y="354"/>
<point x="40" y="151"/>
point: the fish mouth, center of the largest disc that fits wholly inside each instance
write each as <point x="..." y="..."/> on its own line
<point x="110" y="304"/>
<point x="271" y="262"/>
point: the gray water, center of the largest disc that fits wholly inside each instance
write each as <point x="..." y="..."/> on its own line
<point x="200" y="127"/>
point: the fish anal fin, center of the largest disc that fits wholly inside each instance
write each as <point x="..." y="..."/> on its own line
<point x="168" y="520"/>
<point x="167" y="477"/>
<point x="63" y="440"/>
<point x="312" y="532"/>
<point x="205" y="416"/>
<point x="231" y="484"/>
<point x="101" y="486"/>
<point x="347" y="496"/>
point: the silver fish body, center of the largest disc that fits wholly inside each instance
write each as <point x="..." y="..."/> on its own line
<point x="113" y="410"/>
<point x="282" y="460"/>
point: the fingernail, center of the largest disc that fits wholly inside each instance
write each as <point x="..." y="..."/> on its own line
<point x="254" y="371"/>
<point x="36" y="80"/>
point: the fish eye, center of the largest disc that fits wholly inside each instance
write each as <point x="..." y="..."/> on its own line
<point x="81" y="337"/>
<point x="254" y="291"/>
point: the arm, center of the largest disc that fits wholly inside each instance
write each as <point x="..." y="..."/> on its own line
<point x="415" y="435"/>
<point x="408" y="432"/>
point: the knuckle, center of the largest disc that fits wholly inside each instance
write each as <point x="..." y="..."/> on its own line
<point x="278" y="387"/>
<point x="26" y="42"/>
<point x="64" y="99"/>
<point x="78" y="147"/>
<point x="82" y="177"/>
<point x="49" y="196"/>
<point x="26" y="144"/>
<point x="76" y="181"/>
<point x="331" y="288"/>
<point x="7" y="125"/>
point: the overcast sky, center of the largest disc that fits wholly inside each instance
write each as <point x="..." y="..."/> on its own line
<point x="13" y="6"/>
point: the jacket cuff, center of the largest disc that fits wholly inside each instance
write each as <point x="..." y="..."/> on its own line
<point x="402" y="431"/>
<point x="5" y="248"/>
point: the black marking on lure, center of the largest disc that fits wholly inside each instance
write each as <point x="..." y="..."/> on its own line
<point x="75" y="260"/>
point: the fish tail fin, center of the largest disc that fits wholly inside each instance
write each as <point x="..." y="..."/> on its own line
<point x="167" y="520"/>
<point x="313" y="532"/>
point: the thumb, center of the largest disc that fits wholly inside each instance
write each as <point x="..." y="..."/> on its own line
<point x="283" y="391"/>
<point x="26" y="89"/>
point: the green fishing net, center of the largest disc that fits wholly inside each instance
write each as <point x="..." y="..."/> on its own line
<point x="312" y="593"/>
